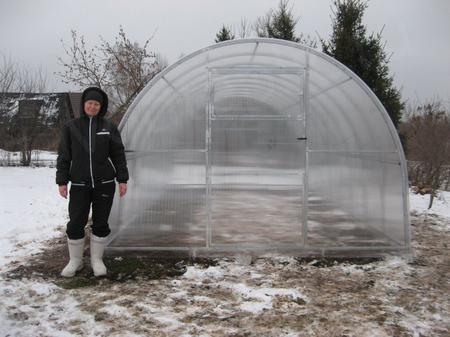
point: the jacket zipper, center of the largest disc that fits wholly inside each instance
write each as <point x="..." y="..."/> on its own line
<point x="90" y="151"/>
<point x="114" y="168"/>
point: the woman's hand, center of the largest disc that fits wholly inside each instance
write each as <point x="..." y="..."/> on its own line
<point x="63" y="191"/>
<point x="122" y="189"/>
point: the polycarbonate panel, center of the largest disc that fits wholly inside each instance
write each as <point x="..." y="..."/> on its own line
<point x="263" y="145"/>
<point x="324" y="74"/>
<point x="165" y="204"/>
<point x="225" y="145"/>
<point x="250" y="216"/>
<point x="349" y="204"/>
<point x="343" y="119"/>
<point x="253" y="94"/>
<point x="168" y="131"/>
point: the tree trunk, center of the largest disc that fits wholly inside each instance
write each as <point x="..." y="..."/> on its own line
<point x="26" y="153"/>
<point x="431" y="199"/>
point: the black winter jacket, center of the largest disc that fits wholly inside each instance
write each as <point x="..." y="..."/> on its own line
<point x="90" y="151"/>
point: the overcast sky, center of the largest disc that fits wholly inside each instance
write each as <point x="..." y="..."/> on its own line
<point x="417" y="32"/>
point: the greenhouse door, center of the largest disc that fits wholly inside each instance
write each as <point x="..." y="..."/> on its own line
<point x="255" y="157"/>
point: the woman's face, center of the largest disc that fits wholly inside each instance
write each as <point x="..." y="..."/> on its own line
<point x="92" y="108"/>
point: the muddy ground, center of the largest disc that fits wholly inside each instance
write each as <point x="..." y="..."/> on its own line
<point x="272" y="296"/>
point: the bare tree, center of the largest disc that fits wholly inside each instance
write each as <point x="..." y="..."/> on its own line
<point x="8" y="74"/>
<point x="121" y="68"/>
<point x="84" y="66"/>
<point x="244" y="29"/>
<point x="25" y="128"/>
<point x="32" y="81"/>
<point x="20" y="130"/>
<point x="16" y="78"/>
<point x="427" y="135"/>
<point x="261" y="23"/>
<point x="130" y="67"/>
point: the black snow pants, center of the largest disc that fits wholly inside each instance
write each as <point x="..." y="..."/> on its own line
<point x="80" y="200"/>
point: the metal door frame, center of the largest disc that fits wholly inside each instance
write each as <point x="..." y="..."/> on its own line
<point x="212" y="71"/>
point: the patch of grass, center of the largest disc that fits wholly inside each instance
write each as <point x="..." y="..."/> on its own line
<point x="124" y="265"/>
<point x="129" y="267"/>
<point x="77" y="282"/>
<point x="121" y="269"/>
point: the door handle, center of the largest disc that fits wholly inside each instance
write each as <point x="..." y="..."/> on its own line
<point x="301" y="138"/>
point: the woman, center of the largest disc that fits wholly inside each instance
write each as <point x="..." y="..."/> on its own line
<point x="90" y="156"/>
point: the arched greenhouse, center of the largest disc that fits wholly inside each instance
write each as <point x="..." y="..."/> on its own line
<point x="261" y="145"/>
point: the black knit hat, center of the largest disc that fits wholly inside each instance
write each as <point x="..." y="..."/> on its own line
<point x="93" y="95"/>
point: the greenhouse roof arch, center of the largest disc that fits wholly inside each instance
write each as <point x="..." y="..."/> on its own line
<point x="261" y="144"/>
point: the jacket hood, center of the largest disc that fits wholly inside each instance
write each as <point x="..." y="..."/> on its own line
<point x="103" y="107"/>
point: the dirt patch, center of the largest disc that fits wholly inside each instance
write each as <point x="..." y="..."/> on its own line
<point x="48" y="263"/>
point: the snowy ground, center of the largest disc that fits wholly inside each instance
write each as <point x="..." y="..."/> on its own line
<point x="273" y="296"/>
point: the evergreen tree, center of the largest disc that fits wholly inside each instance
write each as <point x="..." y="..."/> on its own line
<point x="280" y="24"/>
<point x="224" y="34"/>
<point x="363" y="54"/>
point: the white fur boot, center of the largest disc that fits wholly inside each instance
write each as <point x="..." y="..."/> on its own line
<point x="97" y="248"/>
<point x="76" y="249"/>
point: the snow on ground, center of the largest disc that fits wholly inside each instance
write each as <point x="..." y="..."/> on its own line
<point x="272" y="296"/>
<point x="441" y="206"/>
<point x="31" y="210"/>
